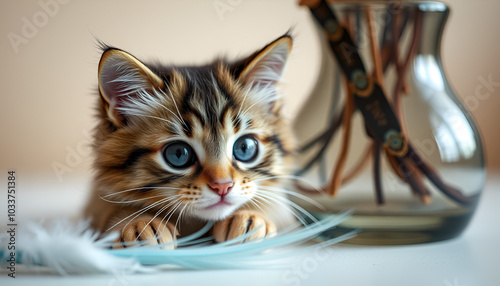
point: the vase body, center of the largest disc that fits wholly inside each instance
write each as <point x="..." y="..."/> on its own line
<point x="436" y="123"/>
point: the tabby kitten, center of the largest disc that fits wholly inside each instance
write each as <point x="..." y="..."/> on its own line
<point x="178" y="146"/>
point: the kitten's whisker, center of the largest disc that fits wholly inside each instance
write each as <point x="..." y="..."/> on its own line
<point x="162" y="209"/>
<point x="271" y="195"/>
<point x="189" y="210"/>
<point x="296" y="215"/>
<point x="263" y="200"/>
<point x="255" y="203"/>
<point x="147" y="224"/>
<point x="162" y="119"/>
<point x="276" y="196"/>
<point x="145" y="102"/>
<point x="177" y="108"/>
<point x="161" y="202"/>
<point x="295" y="206"/>
<point x="180" y="121"/>
<point x="142" y="210"/>
<point x="171" y="212"/>
<point x="130" y="112"/>
<point x="178" y="218"/>
<point x="249" y="88"/>
<point x="272" y="201"/>
<point x="261" y="97"/>
<point x="269" y="97"/>
<point x="260" y="115"/>
<point x="292" y="177"/>
<point x="175" y="202"/>
<point x="136" y="189"/>
<point x="295" y="194"/>
<point x="132" y="201"/>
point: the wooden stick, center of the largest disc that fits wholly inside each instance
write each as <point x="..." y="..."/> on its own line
<point x="402" y="69"/>
<point x="378" y="71"/>
<point x="379" y="195"/>
<point x="414" y="179"/>
<point x="314" y="3"/>
<point x="394" y="165"/>
<point x="379" y="77"/>
<point x="325" y="137"/>
<point x="413" y="176"/>
<point x="361" y="164"/>
<point x="336" y="180"/>
<point x="433" y="176"/>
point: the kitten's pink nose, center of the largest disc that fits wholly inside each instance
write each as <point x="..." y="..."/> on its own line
<point x="221" y="188"/>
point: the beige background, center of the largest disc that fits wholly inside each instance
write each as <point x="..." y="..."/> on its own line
<point x="48" y="86"/>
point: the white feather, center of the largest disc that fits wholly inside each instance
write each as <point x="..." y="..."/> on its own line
<point x="69" y="248"/>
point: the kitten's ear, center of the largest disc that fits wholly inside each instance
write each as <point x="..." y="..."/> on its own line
<point x="121" y="77"/>
<point x="264" y="68"/>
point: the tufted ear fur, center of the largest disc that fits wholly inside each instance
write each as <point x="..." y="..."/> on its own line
<point x="263" y="70"/>
<point x="121" y="78"/>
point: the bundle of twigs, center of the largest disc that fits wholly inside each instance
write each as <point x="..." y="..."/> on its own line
<point x="402" y="156"/>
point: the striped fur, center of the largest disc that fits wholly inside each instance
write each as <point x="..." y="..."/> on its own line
<point x="145" y="107"/>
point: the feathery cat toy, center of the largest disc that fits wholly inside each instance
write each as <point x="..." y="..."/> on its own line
<point x="70" y="248"/>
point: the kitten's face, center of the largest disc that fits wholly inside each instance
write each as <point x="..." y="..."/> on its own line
<point x="203" y="141"/>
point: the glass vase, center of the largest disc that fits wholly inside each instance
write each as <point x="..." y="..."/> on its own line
<point x="433" y="195"/>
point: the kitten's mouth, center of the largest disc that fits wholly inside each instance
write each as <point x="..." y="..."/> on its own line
<point x="222" y="202"/>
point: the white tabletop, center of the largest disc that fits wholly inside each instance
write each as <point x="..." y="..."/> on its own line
<point x="470" y="260"/>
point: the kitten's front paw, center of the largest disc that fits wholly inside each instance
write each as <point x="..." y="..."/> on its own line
<point x="241" y="223"/>
<point x="150" y="232"/>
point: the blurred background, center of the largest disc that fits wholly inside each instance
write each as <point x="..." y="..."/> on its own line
<point x="49" y="71"/>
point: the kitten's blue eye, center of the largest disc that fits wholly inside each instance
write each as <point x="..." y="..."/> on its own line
<point x="245" y="149"/>
<point x="179" y="155"/>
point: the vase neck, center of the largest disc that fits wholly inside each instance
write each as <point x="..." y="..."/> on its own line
<point x="433" y="20"/>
